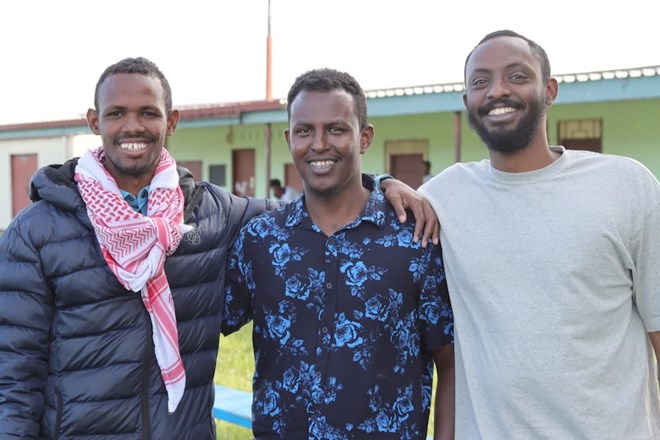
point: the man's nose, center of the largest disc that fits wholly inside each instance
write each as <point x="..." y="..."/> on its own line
<point x="133" y="123"/>
<point x="319" y="141"/>
<point x="499" y="88"/>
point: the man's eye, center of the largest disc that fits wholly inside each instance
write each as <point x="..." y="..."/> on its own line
<point x="302" y="131"/>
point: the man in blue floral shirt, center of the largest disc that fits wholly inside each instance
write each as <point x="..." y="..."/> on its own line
<point x="350" y="313"/>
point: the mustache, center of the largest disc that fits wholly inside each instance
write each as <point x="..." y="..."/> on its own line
<point x="499" y="103"/>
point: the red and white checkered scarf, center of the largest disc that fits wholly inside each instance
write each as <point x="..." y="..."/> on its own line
<point x="135" y="247"/>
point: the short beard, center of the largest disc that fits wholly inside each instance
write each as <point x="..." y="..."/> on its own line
<point x="137" y="170"/>
<point x="510" y="141"/>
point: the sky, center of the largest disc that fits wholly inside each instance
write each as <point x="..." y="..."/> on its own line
<point x="215" y="51"/>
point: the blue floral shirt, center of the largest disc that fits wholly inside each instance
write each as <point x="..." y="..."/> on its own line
<point x="343" y="325"/>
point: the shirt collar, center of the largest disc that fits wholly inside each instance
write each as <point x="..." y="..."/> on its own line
<point x="373" y="211"/>
<point x="139" y="203"/>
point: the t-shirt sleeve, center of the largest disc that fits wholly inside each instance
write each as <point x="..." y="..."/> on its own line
<point x="646" y="279"/>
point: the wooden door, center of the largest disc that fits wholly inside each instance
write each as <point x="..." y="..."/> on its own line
<point x="23" y="166"/>
<point x="404" y="159"/>
<point x="292" y="178"/>
<point x="407" y="168"/>
<point x="243" y="172"/>
<point x="194" y="166"/>
<point x="581" y="134"/>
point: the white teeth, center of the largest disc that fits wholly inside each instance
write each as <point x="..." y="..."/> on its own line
<point x="501" y="111"/>
<point x="133" y="146"/>
<point x="322" y="163"/>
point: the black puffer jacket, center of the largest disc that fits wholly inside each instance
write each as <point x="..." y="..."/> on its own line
<point x="76" y="354"/>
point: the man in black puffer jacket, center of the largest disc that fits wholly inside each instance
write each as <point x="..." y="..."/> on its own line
<point x="77" y="353"/>
<point x="92" y="272"/>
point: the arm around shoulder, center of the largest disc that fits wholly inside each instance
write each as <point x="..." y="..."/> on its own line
<point x="247" y="207"/>
<point x="402" y="197"/>
<point x="237" y="210"/>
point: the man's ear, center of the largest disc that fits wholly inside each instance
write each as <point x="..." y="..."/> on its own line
<point x="172" y="121"/>
<point x="551" y="91"/>
<point x="93" y="121"/>
<point x="366" y="136"/>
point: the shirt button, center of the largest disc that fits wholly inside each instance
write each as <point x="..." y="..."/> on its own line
<point x="324" y="330"/>
<point x="328" y="285"/>
<point x="318" y="374"/>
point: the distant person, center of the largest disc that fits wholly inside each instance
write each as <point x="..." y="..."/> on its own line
<point x="283" y="193"/>
<point x="553" y="266"/>
<point x="349" y="313"/>
<point x="106" y="330"/>
<point x="426" y="167"/>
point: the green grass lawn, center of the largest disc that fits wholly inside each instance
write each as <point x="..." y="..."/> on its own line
<point x="234" y="369"/>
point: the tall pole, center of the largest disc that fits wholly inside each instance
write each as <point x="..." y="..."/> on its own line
<point x="269" y="88"/>
<point x="269" y="97"/>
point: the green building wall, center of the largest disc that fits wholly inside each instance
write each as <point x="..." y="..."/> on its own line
<point x="630" y="128"/>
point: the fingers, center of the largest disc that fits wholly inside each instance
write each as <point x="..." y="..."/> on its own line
<point x="402" y="197"/>
<point x="399" y="206"/>
<point x="420" y="220"/>
<point x="432" y="227"/>
<point x="395" y="193"/>
<point x="428" y="225"/>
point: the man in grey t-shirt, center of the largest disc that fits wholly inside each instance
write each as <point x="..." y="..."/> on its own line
<point x="552" y="259"/>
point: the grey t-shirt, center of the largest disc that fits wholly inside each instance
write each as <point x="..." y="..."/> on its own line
<point x="554" y="281"/>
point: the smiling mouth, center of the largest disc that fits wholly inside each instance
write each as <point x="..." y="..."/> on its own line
<point x="322" y="164"/>
<point x="501" y="111"/>
<point x="133" y="146"/>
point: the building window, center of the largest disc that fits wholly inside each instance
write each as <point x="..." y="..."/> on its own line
<point x="581" y="134"/>
<point x="217" y="174"/>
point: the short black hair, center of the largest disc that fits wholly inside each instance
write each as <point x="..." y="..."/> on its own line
<point x="538" y="51"/>
<point x="275" y="182"/>
<point x="139" y="65"/>
<point x="326" y="80"/>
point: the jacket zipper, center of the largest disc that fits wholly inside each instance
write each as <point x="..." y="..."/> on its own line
<point x="148" y="358"/>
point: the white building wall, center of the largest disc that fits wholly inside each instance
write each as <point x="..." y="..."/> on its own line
<point x="48" y="150"/>
<point x="82" y="142"/>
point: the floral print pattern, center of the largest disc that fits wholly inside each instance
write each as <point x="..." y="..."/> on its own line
<point x="343" y="326"/>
